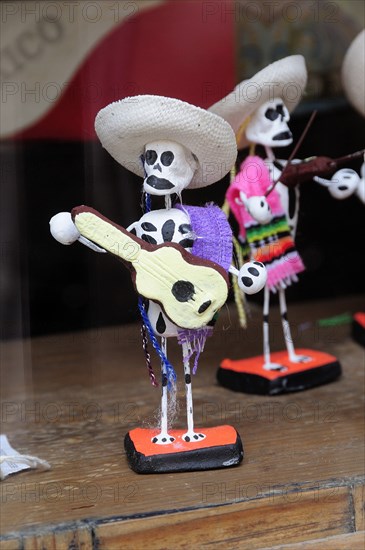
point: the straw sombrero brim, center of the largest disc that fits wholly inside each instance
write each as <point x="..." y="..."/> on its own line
<point x="125" y="127"/>
<point x="353" y="73"/>
<point x="285" y="79"/>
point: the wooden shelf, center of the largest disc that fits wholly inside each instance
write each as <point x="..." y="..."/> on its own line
<point x="71" y="398"/>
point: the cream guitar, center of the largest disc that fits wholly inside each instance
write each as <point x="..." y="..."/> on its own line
<point x="190" y="290"/>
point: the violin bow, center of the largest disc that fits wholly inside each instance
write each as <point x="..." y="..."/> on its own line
<point x="299" y="143"/>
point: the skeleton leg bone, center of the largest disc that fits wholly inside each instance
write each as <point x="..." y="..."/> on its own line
<point x="293" y="357"/>
<point x="190" y="435"/>
<point x="163" y="438"/>
<point x="268" y="365"/>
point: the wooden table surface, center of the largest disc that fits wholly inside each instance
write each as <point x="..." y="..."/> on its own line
<point x="70" y="399"/>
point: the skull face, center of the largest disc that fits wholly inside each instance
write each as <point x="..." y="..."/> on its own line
<point x="169" y="167"/>
<point x="268" y="125"/>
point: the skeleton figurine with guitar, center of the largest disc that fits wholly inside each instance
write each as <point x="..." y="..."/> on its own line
<point x="179" y="258"/>
<point x="258" y="199"/>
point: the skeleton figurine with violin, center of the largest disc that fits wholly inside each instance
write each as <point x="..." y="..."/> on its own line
<point x="179" y="257"/>
<point x="347" y="182"/>
<point x="259" y="111"/>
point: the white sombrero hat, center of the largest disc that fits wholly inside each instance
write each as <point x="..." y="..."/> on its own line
<point x="125" y="127"/>
<point x="285" y="78"/>
<point x="353" y="73"/>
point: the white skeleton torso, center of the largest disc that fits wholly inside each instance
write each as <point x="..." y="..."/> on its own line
<point x="289" y="203"/>
<point x="157" y="227"/>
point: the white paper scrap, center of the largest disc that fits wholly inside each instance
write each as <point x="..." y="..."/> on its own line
<point x="12" y="462"/>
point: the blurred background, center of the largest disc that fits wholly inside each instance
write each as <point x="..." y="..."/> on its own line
<point x="61" y="62"/>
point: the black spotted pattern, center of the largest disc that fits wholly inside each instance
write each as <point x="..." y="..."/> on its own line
<point x="160" y="325"/>
<point x="148" y="239"/>
<point x="253" y="271"/>
<point x="185" y="228"/>
<point x="186" y="243"/>
<point x="247" y="281"/>
<point x="147" y="226"/>
<point x="168" y="230"/>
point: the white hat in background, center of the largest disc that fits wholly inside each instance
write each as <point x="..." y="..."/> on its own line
<point x="285" y="79"/>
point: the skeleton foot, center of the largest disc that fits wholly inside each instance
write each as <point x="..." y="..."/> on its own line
<point x="294" y="358"/>
<point x="191" y="436"/>
<point x="163" y="439"/>
<point x="275" y="366"/>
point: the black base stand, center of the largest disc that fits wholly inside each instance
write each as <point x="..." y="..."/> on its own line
<point x="248" y="375"/>
<point x="221" y="448"/>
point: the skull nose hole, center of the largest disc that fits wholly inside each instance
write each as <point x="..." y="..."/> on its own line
<point x="183" y="291"/>
<point x="157" y="167"/>
<point x="204" y="306"/>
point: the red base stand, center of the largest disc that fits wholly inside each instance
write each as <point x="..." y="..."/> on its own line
<point x="249" y="376"/>
<point x="221" y="448"/>
<point x="358" y="328"/>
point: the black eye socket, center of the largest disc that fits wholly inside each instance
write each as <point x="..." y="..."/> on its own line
<point x="167" y="157"/>
<point x="271" y="114"/>
<point x="151" y="156"/>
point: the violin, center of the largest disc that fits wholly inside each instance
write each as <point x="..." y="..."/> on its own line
<point x="299" y="172"/>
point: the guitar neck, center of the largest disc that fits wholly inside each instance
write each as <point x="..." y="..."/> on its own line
<point x="110" y="236"/>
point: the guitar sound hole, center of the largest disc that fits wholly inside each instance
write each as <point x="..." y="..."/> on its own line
<point x="183" y="291"/>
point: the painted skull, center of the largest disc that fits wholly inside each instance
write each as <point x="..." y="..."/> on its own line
<point x="269" y="125"/>
<point x="169" y="167"/>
